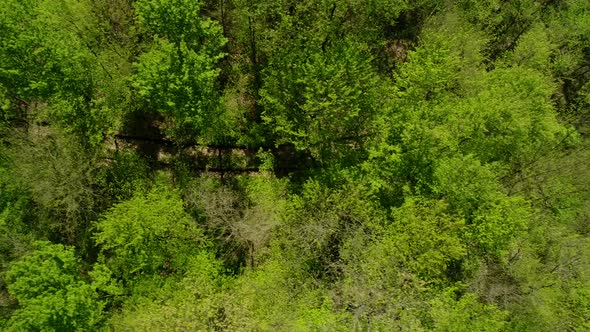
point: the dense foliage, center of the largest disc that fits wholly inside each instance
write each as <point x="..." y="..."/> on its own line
<point x="313" y="165"/>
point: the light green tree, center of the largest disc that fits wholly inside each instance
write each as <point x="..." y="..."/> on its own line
<point x="191" y="302"/>
<point x="177" y="75"/>
<point x="148" y="235"/>
<point x="51" y="292"/>
<point x="465" y="313"/>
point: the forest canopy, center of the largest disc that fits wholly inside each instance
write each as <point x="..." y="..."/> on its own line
<point x="312" y="165"/>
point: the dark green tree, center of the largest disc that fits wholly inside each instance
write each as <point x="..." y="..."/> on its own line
<point x="323" y="102"/>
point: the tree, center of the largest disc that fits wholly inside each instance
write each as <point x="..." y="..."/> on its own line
<point x="61" y="177"/>
<point x="466" y="313"/>
<point x="241" y="221"/>
<point x="396" y="265"/>
<point x="51" y="293"/>
<point x="177" y="76"/>
<point x="277" y="295"/>
<point x="446" y="105"/>
<point x="191" y="303"/>
<point x="148" y="234"/>
<point x="55" y="69"/>
<point x="322" y="101"/>
<point x="474" y="191"/>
